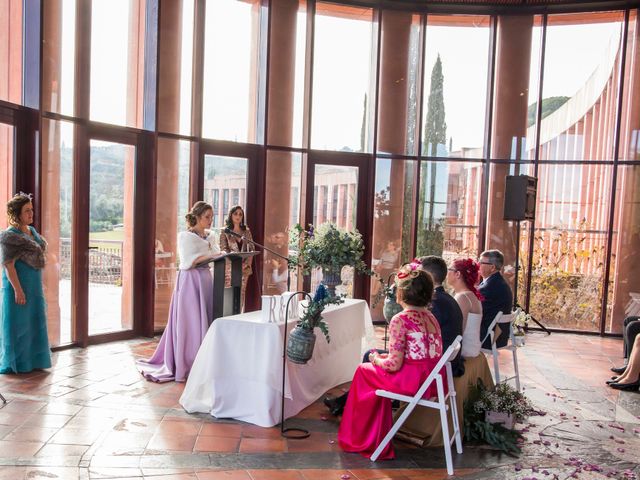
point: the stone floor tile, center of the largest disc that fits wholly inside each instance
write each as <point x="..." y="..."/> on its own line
<point x="222" y="429"/>
<point x="172" y="442"/>
<point x="276" y="475"/>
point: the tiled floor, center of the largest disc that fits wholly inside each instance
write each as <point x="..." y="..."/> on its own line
<point x="93" y="416"/>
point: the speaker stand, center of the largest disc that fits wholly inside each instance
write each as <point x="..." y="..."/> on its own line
<point x="515" y="282"/>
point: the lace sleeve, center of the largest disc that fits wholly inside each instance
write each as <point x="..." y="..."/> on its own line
<point x="392" y="361"/>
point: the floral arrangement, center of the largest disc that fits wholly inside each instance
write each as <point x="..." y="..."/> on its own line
<point x="521" y="321"/>
<point x="327" y="247"/>
<point x="312" y="314"/>
<point x="503" y="399"/>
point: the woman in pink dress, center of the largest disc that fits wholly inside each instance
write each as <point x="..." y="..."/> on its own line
<point x="415" y="348"/>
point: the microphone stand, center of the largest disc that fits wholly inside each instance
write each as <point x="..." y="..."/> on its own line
<point x="273" y="252"/>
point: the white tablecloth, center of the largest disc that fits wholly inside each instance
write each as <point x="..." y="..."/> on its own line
<point x="237" y="372"/>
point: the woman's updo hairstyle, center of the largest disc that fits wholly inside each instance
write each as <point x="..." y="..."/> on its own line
<point x="415" y="286"/>
<point x="469" y="272"/>
<point x="198" y="209"/>
<point x="14" y="207"/>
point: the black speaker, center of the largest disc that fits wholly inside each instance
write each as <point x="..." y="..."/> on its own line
<point x="520" y="197"/>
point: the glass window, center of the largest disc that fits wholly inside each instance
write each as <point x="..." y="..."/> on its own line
<point x="399" y="83"/>
<point x="229" y="175"/>
<point x="58" y="53"/>
<point x="230" y="92"/>
<point x="579" y="95"/>
<point x="569" y="251"/>
<point x="111" y="225"/>
<point x="331" y="176"/>
<point x="343" y="73"/>
<point x="11" y="51"/>
<point x="624" y="288"/>
<point x="172" y="203"/>
<point x="287" y="72"/>
<point x="176" y="60"/>
<point x="448" y="209"/>
<point x="281" y="215"/>
<point x="393" y="220"/>
<point x="630" y="127"/>
<point x="527" y="148"/>
<point x="6" y="167"/>
<point x="117" y="61"/>
<point x="57" y="226"/>
<point x="455" y="86"/>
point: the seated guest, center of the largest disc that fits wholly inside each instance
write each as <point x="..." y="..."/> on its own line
<point x="497" y="295"/>
<point x="445" y="308"/>
<point x="630" y="331"/>
<point x="415" y="347"/>
<point x="463" y="277"/>
<point x="630" y="378"/>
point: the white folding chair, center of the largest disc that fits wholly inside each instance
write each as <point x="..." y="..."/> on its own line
<point x="505" y="321"/>
<point x="440" y="404"/>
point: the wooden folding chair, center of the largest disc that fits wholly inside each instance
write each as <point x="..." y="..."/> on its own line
<point x="440" y="404"/>
<point x="505" y="321"/>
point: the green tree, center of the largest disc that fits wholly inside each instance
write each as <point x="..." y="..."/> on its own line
<point x="549" y="105"/>
<point x="435" y="137"/>
<point x="435" y="127"/>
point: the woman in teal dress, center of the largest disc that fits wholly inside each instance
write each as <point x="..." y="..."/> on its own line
<point x="24" y="345"/>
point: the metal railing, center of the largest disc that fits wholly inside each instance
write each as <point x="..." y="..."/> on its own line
<point x="105" y="261"/>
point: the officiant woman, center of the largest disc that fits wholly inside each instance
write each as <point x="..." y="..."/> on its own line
<point x="24" y="345"/>
<point x="191" y="310"/>
<point x="238" y="241"/>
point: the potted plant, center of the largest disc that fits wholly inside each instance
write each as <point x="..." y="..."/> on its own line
<point x="302" y="338"/>
<point x="329" y="248"/>
<point x="520" y="323"/>
<point x="490" y="414"/>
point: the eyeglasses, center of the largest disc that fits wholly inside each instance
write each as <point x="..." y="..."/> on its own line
<point x="452" y="269"/>
<point x="486" y="263"/>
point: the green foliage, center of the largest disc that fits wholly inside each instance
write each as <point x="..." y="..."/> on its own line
<point x="435" y="127"/>
<point x="566" y="280"/>
<point x="494" y="434"/>
<point x="549" y="105"/>
<point x="312" y="313"/>
<point x="328" y="247"/>
<point x="503" y="398"/>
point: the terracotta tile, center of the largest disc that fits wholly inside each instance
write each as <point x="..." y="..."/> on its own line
<point x="276" y="475"/>
<point x="56" y="450"/>
<point x="178" y="428"/>
<point x="216" y="444"/>
<point x="22" y="406"/>
<point x="262" y="445"/>
<point x="222" y="429"/>
<point x="183" y="443"/>
<point x="317" y="442"/>
<point x="224" y="475"/>
<point x="47" y="420"/>
<point x="253" y="431"/>
<point x="12" y="449"/>
<point x="10" y="418"/>
<point x="47" y="473"/>
<point x="75" y="436"/>
<point x="30" y="434"/>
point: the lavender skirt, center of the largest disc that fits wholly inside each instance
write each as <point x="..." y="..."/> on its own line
<point x="190" y="315"/>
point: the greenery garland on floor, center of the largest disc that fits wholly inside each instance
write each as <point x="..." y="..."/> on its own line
<point x="502" y="398"/>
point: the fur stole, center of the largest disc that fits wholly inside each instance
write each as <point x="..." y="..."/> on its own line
<point x="16" y="246"/>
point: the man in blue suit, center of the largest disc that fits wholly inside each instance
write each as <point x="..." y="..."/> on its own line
<point x="497" y="294"/>
<point x="445" y="308"/>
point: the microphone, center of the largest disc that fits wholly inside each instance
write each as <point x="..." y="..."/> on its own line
<point x="231" y="232"/>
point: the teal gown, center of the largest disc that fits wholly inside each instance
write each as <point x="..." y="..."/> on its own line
<point x="24" y="344"/>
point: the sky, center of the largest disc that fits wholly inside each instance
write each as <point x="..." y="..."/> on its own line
<point x="342" y="71"/>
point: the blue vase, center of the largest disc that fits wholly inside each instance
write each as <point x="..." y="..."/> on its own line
<point x="300" y="345"/>
<point x="390" y="308"/>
